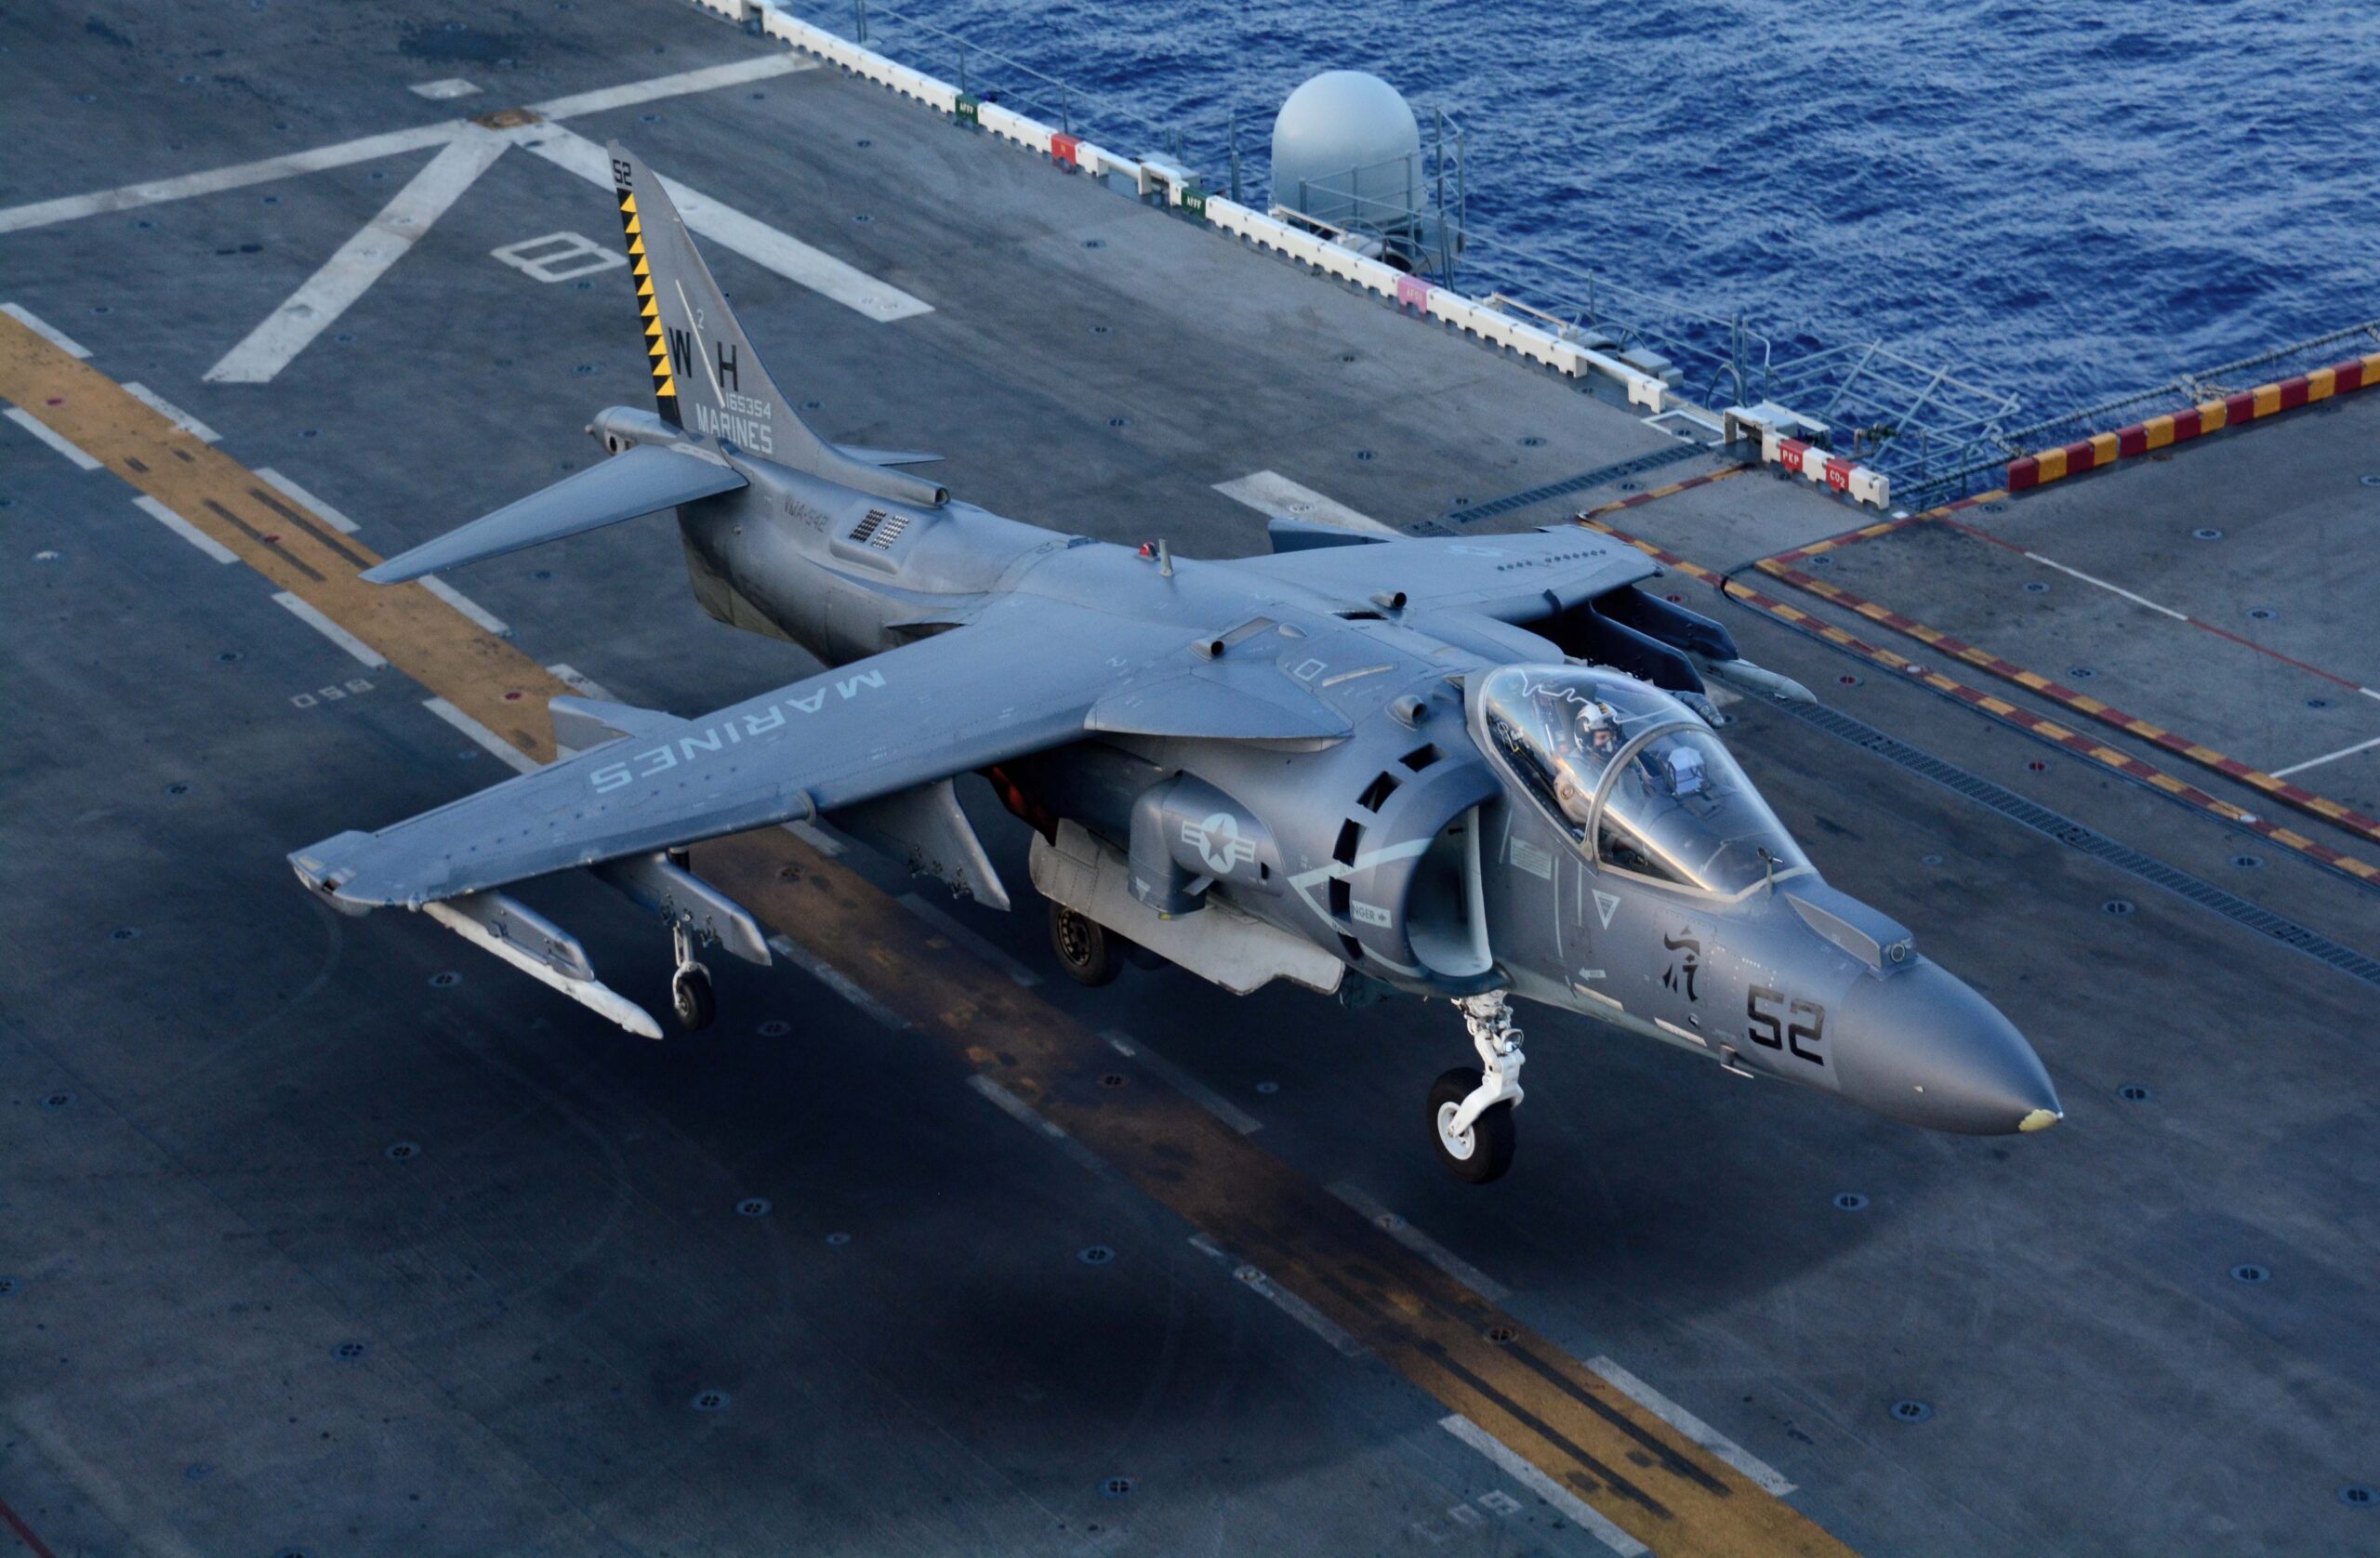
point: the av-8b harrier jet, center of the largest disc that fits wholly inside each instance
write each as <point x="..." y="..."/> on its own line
<point x="1470" y="768"/>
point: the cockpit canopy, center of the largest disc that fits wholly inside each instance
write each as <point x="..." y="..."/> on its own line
<point x="1622" y="763"/>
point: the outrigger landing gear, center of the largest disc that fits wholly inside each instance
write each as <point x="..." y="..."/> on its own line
<point x="1471" y="1109"/>
<point x="690" y="991"/>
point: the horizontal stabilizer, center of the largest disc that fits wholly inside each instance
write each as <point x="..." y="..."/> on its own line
<point x="1305" y="535"/>
<point x="641" y="481"/>
<point x="583" y="725"/>
<point x="886" y="456"/>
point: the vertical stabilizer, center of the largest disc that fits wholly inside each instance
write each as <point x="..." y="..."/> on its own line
<point x="706" y="378"/>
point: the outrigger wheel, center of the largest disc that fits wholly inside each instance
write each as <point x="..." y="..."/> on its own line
<point x="691" y="997"/>
<point x="1091" y="953"/>
<point x="690" y="991"/>
<point x="1484" y="1150"/>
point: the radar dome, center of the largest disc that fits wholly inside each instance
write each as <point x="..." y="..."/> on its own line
<point x="1347" y="151"/>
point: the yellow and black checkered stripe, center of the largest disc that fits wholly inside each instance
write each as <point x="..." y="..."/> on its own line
<point x="656" y="344"/>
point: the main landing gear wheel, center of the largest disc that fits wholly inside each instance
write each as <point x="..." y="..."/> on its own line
<point x="1091" y="953"/>
<point x="691" y="997"/>
<point x="1484" y="1150"/>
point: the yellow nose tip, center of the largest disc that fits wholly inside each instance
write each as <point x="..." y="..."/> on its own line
<point x="2039" y="1119"/>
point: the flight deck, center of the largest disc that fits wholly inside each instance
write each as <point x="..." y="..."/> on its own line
<point x="324" y="1235"/>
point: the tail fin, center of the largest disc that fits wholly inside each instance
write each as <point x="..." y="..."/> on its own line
<point x="706" y="378"/>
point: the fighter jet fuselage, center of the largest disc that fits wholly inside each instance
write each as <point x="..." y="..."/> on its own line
<point x="1460" y="768"/>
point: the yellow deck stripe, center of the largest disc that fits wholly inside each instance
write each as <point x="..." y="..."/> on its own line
<point x="1568" y="1421"/>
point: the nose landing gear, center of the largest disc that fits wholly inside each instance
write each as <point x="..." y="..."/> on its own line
<point x="1091" y="953"/>
<point x="1471" y="1109"/>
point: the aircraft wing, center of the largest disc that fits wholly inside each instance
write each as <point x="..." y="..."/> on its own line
<point x="1021" y="677"/>
<point x="1515" y="578"/>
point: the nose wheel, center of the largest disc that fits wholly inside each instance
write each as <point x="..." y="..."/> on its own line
<point x="1471" y="1107"/>
<point x="690" y="993"/>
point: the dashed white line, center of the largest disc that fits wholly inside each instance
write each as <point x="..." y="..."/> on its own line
<point x="816" y="837"/>
<point x="486" y="739"/>
<point x="1026" y="1116"/>
<point x="441" y="91"/>
<point x="184" y="529"/>
<point x="1578" y="1512"/>
<point x="43" y="431"/>
<point x="584" y="685"/>
<point x="1269" y="491"/>
<point x="1341" y="1340"/>
<point x="43" y="328"/>
<point x="1421" y="1244"/>
<point x="1183" y="1083"/>
<point x="173" y="414"/>
<point x="1694" y="1428"/>
<point x="327" y="514"/>
<point x="360" y="261"/>
<point x="944" y="924"/>
<point x="465" y="604"/>
<point x="836" y="979"/>
<point x="2327" y="756"/>
<point x="305" y="613"/>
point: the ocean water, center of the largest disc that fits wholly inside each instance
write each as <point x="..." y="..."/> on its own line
<point x="2061" y="200"/>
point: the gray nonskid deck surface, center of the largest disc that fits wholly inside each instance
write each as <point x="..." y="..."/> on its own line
<point x="238" y="1325"/>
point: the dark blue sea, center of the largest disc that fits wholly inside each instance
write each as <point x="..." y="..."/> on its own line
<point x="2060" y="200"/>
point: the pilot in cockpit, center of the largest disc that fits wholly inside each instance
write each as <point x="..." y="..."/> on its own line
<point x="1581" y="753"/>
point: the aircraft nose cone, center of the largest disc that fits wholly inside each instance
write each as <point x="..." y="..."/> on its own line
<point x="1921" y="1047"/>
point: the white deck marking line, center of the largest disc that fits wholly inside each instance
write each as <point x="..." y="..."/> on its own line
<point x="239" y="175"/>
<point x="1572" y="1506"/>
<point x="2112" y="590"/>
<point x="710" y="78"/>
<point x="1694" y="1428"/>
<point x="1341" y="1341"/>
<point x="1421" y="1244"/>
<point x="440" y="91"/>
<point x="173" y="414"/>
<point x="307" y="613"/>
<point x="817" y="839"/>
<point x="362" y="260"/>
<point x="584" y="685"/>
<point x="184" y="529"/>
<point x="755" y="240"/>
<point x="513" y="757"/>
<point x="43" y="328"/>
<point x="836" y="979"/>
<point x="67" y="208"/>
<point x="465" y="604"/>
<point x="327" y="514"/>
<point x="1269" y="491"/>
<point x="1183" y="1083"/>
<point x="1026" y="1116"/>
<point x="2328" y="757"/>
<point x="945" y="925"/>
<point x="41" y="430"/>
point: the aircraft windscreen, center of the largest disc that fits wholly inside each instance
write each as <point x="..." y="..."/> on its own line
<point x="1561" y="727"/>
<point x="1680" y="799"/>
<point x="1677" y="809"/>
